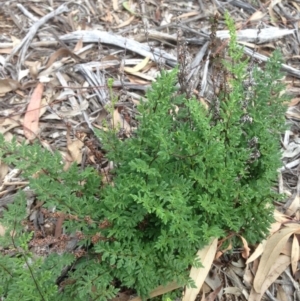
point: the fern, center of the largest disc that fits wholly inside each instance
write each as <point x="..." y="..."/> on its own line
<point x="187" y="174"/>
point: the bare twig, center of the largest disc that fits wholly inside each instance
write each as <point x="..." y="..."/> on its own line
<point x="24" y="45"/>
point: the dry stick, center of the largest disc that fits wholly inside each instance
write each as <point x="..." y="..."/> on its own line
<point x="143" y="13"/>
<point x="196" y="18"/>
<point x="295" y="283"/>
<point x="250" y="35"/>
<point x="269" y="294"/>
<point x="263" y="58"/>
<point x="27" y="13"/>
<point x="32" y="32"/>
<point x="95" y="36"/>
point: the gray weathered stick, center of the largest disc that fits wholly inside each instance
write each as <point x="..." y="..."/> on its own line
<point x="32" y="32"/>
<point x="97" y="36"/>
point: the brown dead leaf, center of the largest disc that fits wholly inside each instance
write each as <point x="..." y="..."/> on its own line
<point x="2" y="230"/>
<point x="188" y="15"/>
<point x="119" y="121"/>
<point x="137" y="81"/>
<point x="221" y="252"/>
<point x="71" y="17"/>
<point x="294" y="206"/>
<point x="293" y="113"/>
<point x="78" y="45"/>
<point x="8" y="85"/>
<point x="8" y="137"/>
<point x="233" y="290"/>
<point x="284" y="20"/>
<point x="138" y="67"/>
<point x="275" y="227"/>
<point x="271" y="11"/>
<point x="205" y="289"/>
<point x="158" y="14"/>
<point x="67" y="159"/>
<point x="116" y="17"/>
<point x="248" y="277"/>
<point x="6" y="124"/>
<point x="213" y="281"/>
<point x="3" y="170"/>
<point x="121" y="297"/>
<point x="294" y="101"/>
<point x="287" y="249"/>
<point x="258" y="251"/>
<point x="294" y="226"/>
<point x="108" y="17"/>
<point x="74" y="147"/>
<point x="271" y="252"/>
<point x="295" y="254"/>
<point x="125" y="23"/>
<point x="277" y="268"/>
<point x="212" y="296"/>
<point x="140" y="75"/>
<point x="255" y="266"/>
<point x="258" y="15"/>
<point x="6" y="50"/>
<point x="15" y="41"/>
<point x="296" y="5"/>
<point x="280" y="217"/>
<point x="203" y="297"/>
<point x="206" y="256"/>
<point x="62" y="52"/>
<point x="246" y="249"/>
<point x="31" y="118"/>
<point x="34" y="69"/>
<point x="37" y="10"/>
<point x="160" y="291"/>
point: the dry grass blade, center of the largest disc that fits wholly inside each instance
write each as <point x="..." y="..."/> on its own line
<point x="206" y="256"/>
